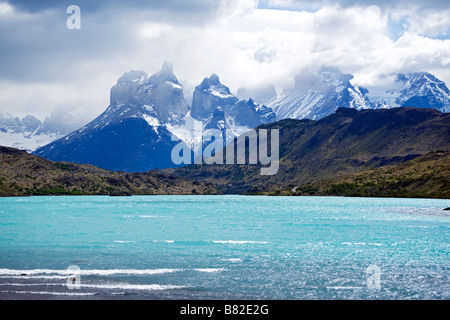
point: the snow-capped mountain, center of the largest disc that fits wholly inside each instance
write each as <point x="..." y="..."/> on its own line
<point x="28" y="133"/>
<point x="216" y="108"/>
<point x="211" y="96"/>
<point x="318" y="94"/>
<point x="158" y="99"/>
<point x="131" y="134"/>
<point x="147" y="115"/>
<point x="418" y="89"/>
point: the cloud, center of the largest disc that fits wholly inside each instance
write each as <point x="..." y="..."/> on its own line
<point x="425" y="17"/>
<point x="427" y="22"/>
<point x="248" y="43"/>
<point x="192" y="6"/>
<point x="385" y="4"/>
<point x="5" y="9"/>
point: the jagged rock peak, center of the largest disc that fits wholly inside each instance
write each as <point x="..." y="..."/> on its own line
<point x="133" y="76"/>
<point x="214" y="79"/>
<point x="165" y="74"/>
<point x="167" y="68"/>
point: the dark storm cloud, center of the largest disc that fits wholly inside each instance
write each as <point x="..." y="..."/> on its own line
<point x="96" y="5"/>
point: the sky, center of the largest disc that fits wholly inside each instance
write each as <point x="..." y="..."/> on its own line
<point x="46" y="67"/>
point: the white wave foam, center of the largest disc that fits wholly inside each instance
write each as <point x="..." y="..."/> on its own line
<point x="58" y="274"/>
<point x="101" y="272"/>
<point x="234" y="260"/>
<point x="32" y="277"/>
<point x="29" y="284"/>
<point x="344" y="288"/>
<point x="132" y="286"/>
<point x="54" y="293"/>
<point x="141" y="216"/>
<point x="125" y="241"/>
<point x="362" y="244"/>
<point x="166" y="241"/>
<point x="210" y="270"/>
<point x="102" y="286"/>
<point x="238" y="241"/>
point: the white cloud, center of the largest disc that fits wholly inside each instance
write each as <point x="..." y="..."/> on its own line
<point x="21" y="99"/>
<point x="151" y="30"/>
<point x="244" y="45"/>
<point x="5" y="9"/>
<point x="430" y="23"/>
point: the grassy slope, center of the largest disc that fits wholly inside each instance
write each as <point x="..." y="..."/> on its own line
<point x="25" y="174"/>
<point x="427" y="176"/>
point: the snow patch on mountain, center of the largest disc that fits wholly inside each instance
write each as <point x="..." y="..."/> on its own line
<point x="26" y="140"/>
<point x="28" y="133"/>
<point x="318" y="94"/>
<point x="418" y="89"/>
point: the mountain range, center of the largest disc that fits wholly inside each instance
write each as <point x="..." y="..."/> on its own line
<point x="30" y="133"/>
<point x="342" y="143"/>
<point x="396" y="152"/>
<point x="148" y="115"/>
<point x="426" y="176"/>
<point x="131" y="134"/>
<point x="319" y="94"/>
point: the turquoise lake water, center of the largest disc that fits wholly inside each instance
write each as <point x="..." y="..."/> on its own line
<point x="224" y="247"/>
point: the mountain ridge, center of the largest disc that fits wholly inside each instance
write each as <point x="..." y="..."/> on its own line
<point x="426" y="176"/>
<point x="157" y="106"/>
<point x="130" y="134"/>
<point x="319" y="94"/>
<point x="344" y="142"/>
<point x="24" y="174"/>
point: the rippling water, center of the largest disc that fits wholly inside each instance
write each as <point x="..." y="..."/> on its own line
<point x="224" y="247"/>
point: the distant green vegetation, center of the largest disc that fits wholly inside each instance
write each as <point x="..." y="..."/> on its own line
<point x="423" y="177"/>
<point x="56" y="191"/>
